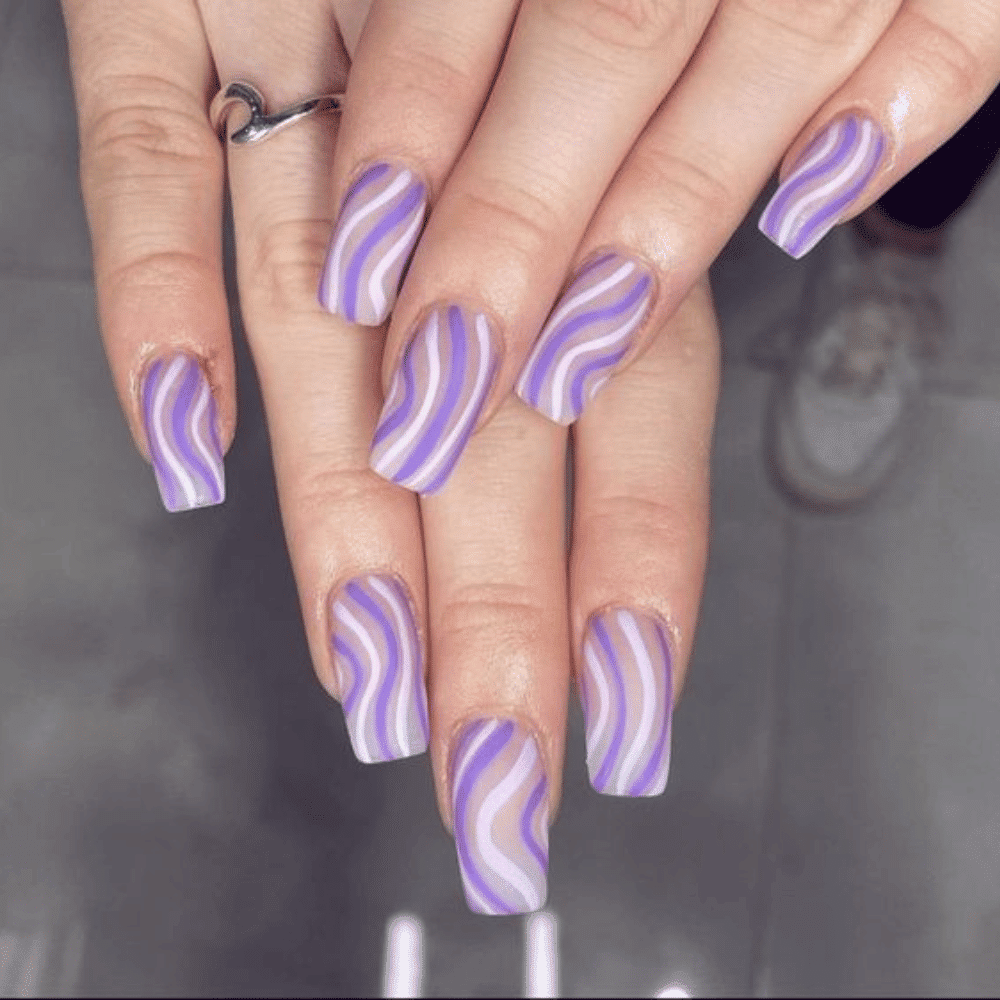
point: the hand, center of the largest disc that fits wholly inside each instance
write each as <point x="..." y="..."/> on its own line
<point x="618" y="148"/>
<point x="495" y="611"/>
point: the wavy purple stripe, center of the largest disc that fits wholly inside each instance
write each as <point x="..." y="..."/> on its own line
<point x="182" y="408"/>
<point x="832" y="210"/>
<point x="389" y="680"/>
<point x="776" y="211"/>
<point x="611" y="758"/>
<point x="369" y="177"/>
<point x="571" y="326"/>
<point x="413" y="196"/>
<point x="528" y="817"/>
<point x="655" y="762"/>
<point x="608" y="361"/>
<point x="358" y="670"/>
<point x="456" y="381"/>
<point x="402" y="412"/>
<point x="485" y="756"/>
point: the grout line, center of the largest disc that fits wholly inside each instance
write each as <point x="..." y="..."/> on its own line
<point x="762" y="892"/>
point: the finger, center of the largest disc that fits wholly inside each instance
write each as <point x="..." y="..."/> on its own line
<point x="640" y="539"/>
<point x="496" y="577"/>
<point x="934" y="66"/>
<point x="418" y="81"/>
<point x="760" y="71"/>
<point x="151" y="172"/>
<point x="354" y="543"/>
<point x="576" y="76"/>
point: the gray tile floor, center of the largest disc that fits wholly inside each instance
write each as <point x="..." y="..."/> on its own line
<point x="180" y="809"/>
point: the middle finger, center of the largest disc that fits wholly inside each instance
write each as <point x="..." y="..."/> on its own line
<point x="578" y="75"/>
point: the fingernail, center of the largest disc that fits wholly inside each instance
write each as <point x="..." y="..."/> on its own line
<point x="500" y="797"/>
<point x="828" y="177"/>
<point x="626" y="689"/>
<point x="377" y="653"/>
<point x="372" y="241"/>
<point x="436" y="396"/>
<point x="591" y="329"/>
<point x="179" y="413"/>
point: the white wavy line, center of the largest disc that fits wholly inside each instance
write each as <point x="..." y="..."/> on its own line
<point x="351" y="223"/>
<point x="437" y="457"/>
<point x="501" y="795"/>
<point x="556" y="396"/>
<point x="481" y="738"/>
<point x="170" y="378"/>
<point x="831" y="140"/>
<point x="630" y="629"/>
<point x="376" y="292"/>
<point x="211" y="462"/>
<point x="580" y="298"/>
<point x="384" y="464"/>
<point x="375" y="675"/>
<point x="406" y="671"/>
<point x="594" y="669"/>
<point x="794" y="220"/>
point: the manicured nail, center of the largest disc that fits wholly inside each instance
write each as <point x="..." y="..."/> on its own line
<point x="626" y="689"/>
<point x="179" y="412"/>
<point x="377" y="653"/>
<point x="828" y="177"/>
<point x="500" y="796"/>
<point x="435" y="400"/>
<point x="591" y="329"/>
<point x="372" y="241"/>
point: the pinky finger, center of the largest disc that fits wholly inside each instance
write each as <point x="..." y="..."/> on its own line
<point x="926" y="76"/>
<point x="152" y="176"/>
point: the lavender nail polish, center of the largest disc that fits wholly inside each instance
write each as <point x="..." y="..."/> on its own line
<point x="377" y="652"/>
<point x="372" y="241"/>
<point x="591" y="329"/>
<point x="435" y="399"/>
<point x="500" y="797"/>
<point x="179" y="413"/>
<point x="626" y="688"/>
<point x="829" y="176"/>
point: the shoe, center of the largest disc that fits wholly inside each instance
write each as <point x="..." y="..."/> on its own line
<point x="845" y="403"/>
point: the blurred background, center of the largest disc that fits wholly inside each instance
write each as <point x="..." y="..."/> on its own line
<point x="180" y="812"/>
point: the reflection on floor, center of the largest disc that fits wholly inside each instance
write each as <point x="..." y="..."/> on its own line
<point x="181" y="810"/>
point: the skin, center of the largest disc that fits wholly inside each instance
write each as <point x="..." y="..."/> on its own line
<point x="501" y="603"/>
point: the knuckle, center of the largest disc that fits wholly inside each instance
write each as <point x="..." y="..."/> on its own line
<point x="651" y="525"/>
<point x="179" y="271"/>
<point x="687" y="192"/>
<point x="284" y="266"/>
<point x="333" y="487"/>
<point x="944" y="58"/>
<point x="509" y="613"/>
<point x="525" y="221"/>
<point x="621" y="26"/>
<point x="825" y="22"/>
<point x="157" y="134"/>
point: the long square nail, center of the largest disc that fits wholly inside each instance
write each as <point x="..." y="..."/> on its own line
<point x="500" y="797"/>
<point x="377" y="653"/>
<point x="178" y="410"/>
<point x="592" y="328"/>
<point x="829" y="176"/>
<point x="373" y="238"/>
<point x="626" y="689"/>
<point x="435" y="399"/>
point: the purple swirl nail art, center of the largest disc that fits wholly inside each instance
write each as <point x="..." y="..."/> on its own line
<point x="500" y="796"/>
<point x="831" y="173"/>
<point x="372" y="241"/>
<point x="589" y="332"/>
<point x="179" y="413"/>
<point x="377" y="653"/>
<point x="436" y="396"/>
<point x="627" y="692"/>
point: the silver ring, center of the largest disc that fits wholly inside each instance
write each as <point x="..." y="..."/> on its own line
<point x="261" y="125"/>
